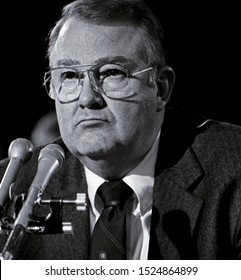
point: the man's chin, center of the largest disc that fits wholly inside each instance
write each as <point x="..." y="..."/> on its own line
<point x="94" y="152"/>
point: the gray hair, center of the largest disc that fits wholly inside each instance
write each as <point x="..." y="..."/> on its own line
<point x="135" y="12"/>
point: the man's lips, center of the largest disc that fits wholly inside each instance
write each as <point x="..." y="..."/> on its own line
<point x="91" y="120"/>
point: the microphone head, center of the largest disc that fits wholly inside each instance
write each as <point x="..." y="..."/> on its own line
<point x="53" y="151"/>
<point x="21" y="148"/>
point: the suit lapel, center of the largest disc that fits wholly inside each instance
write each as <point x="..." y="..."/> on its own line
<point x="175" y="213"/>
<point x="175" y="207"/>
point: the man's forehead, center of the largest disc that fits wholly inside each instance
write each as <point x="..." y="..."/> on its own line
<point x="82" y="31"/>
<point x="85" y="38"/>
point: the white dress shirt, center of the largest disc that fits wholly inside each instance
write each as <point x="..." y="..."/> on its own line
<point x="139" y="206"/>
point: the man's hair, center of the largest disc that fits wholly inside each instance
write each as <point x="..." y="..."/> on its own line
<point x="134" y="12"/>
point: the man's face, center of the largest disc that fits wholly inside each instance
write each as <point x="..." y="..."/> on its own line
<point x="120" y="128"/>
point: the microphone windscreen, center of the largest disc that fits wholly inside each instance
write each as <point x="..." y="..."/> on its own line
<point x="21" y="148"/>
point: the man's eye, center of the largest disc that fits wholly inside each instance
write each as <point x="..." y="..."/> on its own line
<point x="112" y="73"/>
<point x="69" y="75"/>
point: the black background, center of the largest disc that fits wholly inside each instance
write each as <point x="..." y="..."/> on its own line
<point x="203" y="49"/>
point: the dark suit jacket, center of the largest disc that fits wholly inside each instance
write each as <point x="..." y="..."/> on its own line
<point x="197" y="196"/>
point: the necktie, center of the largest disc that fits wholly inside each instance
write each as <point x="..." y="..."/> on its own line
<point x="109" y="235"/>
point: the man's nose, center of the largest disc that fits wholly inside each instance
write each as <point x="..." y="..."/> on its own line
<point x="89" y="97"/>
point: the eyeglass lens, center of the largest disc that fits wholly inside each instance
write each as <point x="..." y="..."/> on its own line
<point x="109" y="79"/>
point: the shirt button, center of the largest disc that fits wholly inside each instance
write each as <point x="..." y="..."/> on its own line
<point x="102" y="255"/>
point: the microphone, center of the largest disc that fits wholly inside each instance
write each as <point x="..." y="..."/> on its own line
<point x="19" y="152"/>
<point x="50" y="160"/>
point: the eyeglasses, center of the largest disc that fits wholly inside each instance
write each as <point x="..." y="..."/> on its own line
<point x="111" y="79"/>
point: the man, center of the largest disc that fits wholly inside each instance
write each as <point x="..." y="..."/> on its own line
<point x="110" y="81"/>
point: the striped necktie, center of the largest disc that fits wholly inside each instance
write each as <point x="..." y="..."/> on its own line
<point x="109" y="236"/>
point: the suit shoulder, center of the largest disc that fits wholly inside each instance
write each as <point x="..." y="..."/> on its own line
<point x="220" y="133"/>
<point x="219" y="143"/>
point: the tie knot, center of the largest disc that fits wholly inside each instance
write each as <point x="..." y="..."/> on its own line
<point x="114" y="193"/>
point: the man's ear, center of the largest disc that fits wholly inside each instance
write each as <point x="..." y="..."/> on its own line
<point x="165" y="83"/>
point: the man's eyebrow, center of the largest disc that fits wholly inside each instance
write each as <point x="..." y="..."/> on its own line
<point x="66" y="62"/>
<point x="111" y="59"/>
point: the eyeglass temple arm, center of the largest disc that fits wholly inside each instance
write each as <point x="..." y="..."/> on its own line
<point x="142" y="71"/>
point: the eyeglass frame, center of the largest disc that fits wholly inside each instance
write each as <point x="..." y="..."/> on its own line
<point x="99" y="89"/>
